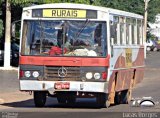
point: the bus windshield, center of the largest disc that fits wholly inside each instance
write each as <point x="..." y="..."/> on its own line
<point x="64" y="38"/>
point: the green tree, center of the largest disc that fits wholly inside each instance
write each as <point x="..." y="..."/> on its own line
<point x="135" y="6"/>
<point x="1" y="22"/>
<point x="153" y="10"/>
<point x="1" y="28"/>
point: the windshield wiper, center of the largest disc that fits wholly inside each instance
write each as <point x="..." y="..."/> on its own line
<point x="81" y="30"/>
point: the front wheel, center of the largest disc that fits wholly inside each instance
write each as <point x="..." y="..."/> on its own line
<point x="39" y="98"/>
<point x="102" y="100"/>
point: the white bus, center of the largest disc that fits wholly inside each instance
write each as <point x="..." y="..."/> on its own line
<point x="70" y="51"/>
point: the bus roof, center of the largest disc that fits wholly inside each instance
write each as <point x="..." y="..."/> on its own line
<point x="84" y="6"/>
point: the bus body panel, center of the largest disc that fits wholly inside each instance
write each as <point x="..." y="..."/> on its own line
<point x="121" y="73"/>
<point x="64" y="61"/>
<point x="29" y="85"/>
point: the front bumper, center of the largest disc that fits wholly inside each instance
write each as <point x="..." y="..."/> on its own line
<point x="31" y="85"/>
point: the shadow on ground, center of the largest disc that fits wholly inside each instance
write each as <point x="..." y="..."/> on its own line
<point x="52" y="103"/>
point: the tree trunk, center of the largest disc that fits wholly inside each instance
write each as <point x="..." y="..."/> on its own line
<point x="7" y="50"/>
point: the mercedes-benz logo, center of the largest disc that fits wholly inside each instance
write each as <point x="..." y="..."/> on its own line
<point x="62" y="72"/>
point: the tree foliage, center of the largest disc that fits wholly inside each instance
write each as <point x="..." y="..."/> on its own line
<point x="1" y="22"/>
<point x="1" y="27"/>
<point x="153" y="9"/>
<point x="135" y="6"/>
<point x="17" y="5"/>
<point x="27" y="2"/>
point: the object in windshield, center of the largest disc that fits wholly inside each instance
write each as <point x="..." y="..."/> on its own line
<point x="56" y="51"/>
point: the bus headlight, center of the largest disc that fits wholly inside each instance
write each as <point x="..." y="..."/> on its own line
<point x="27" y="74"/>
<point x="89" y="75"/>
<point x="97" y="76"/>
<point x="35" y="74"/>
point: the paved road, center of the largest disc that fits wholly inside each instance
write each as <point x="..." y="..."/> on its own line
<point x="14" y="101"/>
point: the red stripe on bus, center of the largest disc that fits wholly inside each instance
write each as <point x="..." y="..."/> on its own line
<point x="64" y="61"/>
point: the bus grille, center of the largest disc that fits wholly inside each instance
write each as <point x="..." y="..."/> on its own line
<point x="73" y="74"/>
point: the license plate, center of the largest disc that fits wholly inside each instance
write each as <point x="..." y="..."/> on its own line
<point x="62" y="85"/>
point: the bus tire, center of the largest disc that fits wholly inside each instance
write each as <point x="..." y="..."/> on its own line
<point x="62" y="97"/>
<point x="117" y="99"/>
<point x="102" y="101"/>
<point x="39" y="98"/>
<point x="126" y="96"/>
<point x="71" y="100"/>
<point x="123" y="97"/>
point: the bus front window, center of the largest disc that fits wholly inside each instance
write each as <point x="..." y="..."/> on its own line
<point x="64" y="38"/>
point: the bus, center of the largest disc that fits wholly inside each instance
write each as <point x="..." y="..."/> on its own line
<point x="71" y="51"/>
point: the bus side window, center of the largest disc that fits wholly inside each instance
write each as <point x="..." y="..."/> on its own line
<point x="134" y="31"/>
<point x="135" y="28"/>
<point x="142" y="30"/>
<point x="113" y="32"/>
<point x="122" y="31"/>
<point x="113" y="36"/>
<point x="128" y="31"/>
<point x="139" y="32"/>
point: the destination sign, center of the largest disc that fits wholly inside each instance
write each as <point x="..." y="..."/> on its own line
<point x="64" y="13"/>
